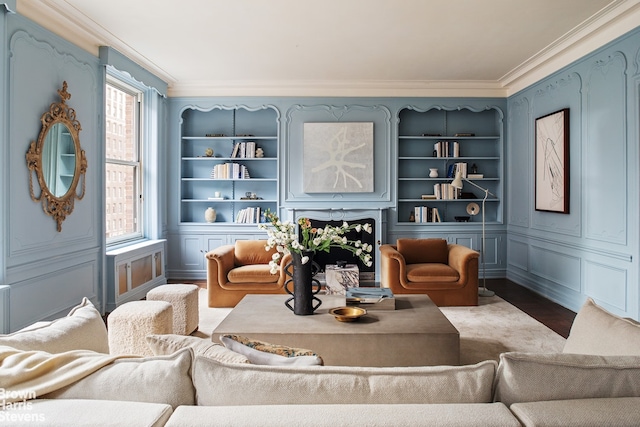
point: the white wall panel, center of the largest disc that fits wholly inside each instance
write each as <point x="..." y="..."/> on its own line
<point x="607" y="284"/>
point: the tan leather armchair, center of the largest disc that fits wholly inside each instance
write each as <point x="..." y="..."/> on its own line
<point x="234" y="271"/>
<point x="448" y="273"/>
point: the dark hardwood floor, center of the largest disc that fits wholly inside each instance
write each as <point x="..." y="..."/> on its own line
<point x="554" y="316"/>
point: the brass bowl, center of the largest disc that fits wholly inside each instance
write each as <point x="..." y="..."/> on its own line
<point x="347" y="314"/>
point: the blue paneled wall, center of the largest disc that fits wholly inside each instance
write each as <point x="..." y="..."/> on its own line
<point x="593" y="250"/>
<point x="590" y="252"/>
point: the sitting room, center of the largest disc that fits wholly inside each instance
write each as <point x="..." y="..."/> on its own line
<point x="353" y="213"/>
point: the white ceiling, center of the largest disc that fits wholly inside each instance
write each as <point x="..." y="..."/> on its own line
<point x="341" y="47"/>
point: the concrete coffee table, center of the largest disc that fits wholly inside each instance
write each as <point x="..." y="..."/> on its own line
<point x="415" y="334"/>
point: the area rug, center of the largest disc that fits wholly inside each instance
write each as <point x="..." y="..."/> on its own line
<point x="491" y="328"/>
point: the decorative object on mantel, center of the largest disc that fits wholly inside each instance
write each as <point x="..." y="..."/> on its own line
<point x="284" y="237"/>
<point x="210" y="215"/>
<point x="433" y="172"/>
<point x="208" y="152"/>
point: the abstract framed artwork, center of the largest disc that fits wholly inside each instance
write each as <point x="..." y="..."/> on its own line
<point x="338" y="157"/>
<point x="552" y="162"/>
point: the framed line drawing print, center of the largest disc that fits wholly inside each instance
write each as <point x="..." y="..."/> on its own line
<point x="552" y="162"/>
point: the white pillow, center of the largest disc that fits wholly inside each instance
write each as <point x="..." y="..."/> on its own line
<point x="599" y="332"/>
<point x="263" y="353"/>
<point x="534" y="377"/>
<point x="170" y="343"/>
<point x="219" y="384"/>
<point x="82" y="329"/>
<point x="157" y="379"/>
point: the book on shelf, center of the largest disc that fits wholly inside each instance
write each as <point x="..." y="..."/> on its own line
<point x="447" y="149"/>
<point x="475" y="176"/>
<point x="250" y="215"/>
<point x="455" y="167"/>
<point x="244" y="150"/>
<point x="424" y="214"/>
<point x="229" y="170"/>
<point x="216" y="198"/>
<point x="445" y="191"/>
<point x="428" y="197"/>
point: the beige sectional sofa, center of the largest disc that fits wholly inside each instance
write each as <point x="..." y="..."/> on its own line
<point x="193" y="382"/>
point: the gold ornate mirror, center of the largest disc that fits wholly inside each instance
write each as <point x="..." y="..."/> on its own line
<point x="57" y="160"/>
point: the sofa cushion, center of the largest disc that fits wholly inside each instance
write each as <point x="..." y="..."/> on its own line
<point x="158" y="379"/>
<point x="432" y="272"/>
<point x="597" y="331"/>
<point x="263" y="353"/>
<point x="248" y="252"/>
<point x="163" y="345"/>
<point x="82" y="329"/>
<point x="416" y="251"/>
<point x="332" y="415"/>
<point x="227" y="384"/>
<point x="86" y="413"/>
<point x="529" y="377"/>
<point x="256" y="273"/>
<point x="619" y="412"/>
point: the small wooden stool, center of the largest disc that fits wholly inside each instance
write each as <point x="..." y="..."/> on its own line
<point x="184" y="299"/>
<point x="129" y="324"/>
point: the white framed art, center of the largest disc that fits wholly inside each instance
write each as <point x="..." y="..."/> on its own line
<point x="338" y="157"/>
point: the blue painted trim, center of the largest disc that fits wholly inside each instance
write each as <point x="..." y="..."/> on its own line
<point x="10" y="5"/>
<point x="110" y="56"/>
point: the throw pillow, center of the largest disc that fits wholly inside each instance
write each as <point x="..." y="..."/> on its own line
<point x="170" y="343"/>
<point x="263" y="353"/>
<point x="597" y="331"/>
<point x="82" y="329"/>
<point x="417" y="251"/>
<point x="529" y="377"/>
<point x="158" y="379"/>
<point x="227" y="384"/>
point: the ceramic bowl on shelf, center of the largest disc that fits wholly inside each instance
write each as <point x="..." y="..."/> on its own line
<point x="347" y="314"/>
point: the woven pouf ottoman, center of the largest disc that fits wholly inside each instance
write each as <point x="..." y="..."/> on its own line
<point x="129" y="324"/>
<point x="184" y="299"/>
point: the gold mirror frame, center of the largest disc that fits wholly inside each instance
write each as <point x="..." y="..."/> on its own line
<point x="59" y="207"/>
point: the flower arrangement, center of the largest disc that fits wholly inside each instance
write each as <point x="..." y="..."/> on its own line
<point x="284" y="237"/>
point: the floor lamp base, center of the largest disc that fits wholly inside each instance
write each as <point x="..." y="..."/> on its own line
<point x="484" y="292"/>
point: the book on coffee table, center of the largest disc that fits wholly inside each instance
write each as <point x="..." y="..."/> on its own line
<point x="371" y="298"/>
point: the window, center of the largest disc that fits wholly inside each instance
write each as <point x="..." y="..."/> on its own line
<point x="123" y="186"/>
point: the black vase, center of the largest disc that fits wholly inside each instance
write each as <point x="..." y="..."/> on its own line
<point x="303" y="295"/>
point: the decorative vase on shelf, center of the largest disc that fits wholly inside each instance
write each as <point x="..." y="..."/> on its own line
<point x="433" y="172"/>
<point x="210" y="215"/>
<point x="303" y="295"/>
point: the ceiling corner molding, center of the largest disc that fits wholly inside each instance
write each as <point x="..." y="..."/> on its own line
<point x="62" y="19"/>
<point x="610" y="23"/>
<point x="346" y="88"/>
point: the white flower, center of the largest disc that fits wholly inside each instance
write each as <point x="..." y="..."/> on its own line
<point x="358" y="227"/>
<point x="367" y="228"/>
<point x="305" y="259"/>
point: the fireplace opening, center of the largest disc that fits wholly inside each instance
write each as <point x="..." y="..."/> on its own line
<point x="338" y="254"/>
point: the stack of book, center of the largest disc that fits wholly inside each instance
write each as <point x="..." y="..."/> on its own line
<point x="445" y="191"/>
<point x="229" y="170"/>
<point x="426" y="214"/>
<point x="250" y="215"/>
<point x="447" y="149"/>
<point x="245" y="149"/>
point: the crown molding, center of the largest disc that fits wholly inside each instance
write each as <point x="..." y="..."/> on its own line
<point x="345" y="88"/>
<point x="609" y="23"/>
